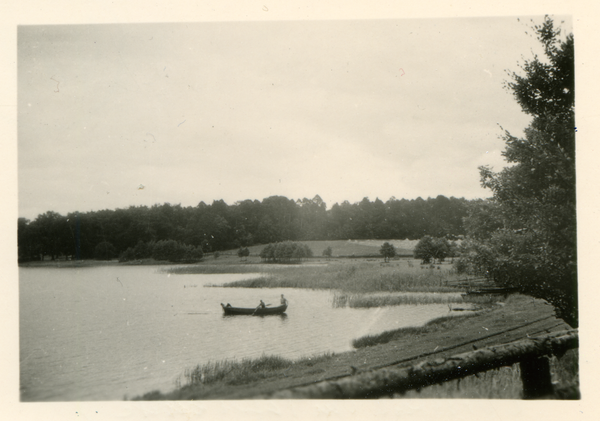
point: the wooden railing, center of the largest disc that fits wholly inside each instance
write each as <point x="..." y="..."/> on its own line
<point x="530" y="353"/>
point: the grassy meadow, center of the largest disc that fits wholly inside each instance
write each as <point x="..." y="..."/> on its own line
<point x="349" y="248"/>
<point x="345" y="274"/>
<point x="355" y="276"/>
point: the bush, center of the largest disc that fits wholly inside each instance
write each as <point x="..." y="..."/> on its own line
<point x="174" y="251"/>
<point x="105" y="251"/>
<point x="127" y="256"/>
<point x="285" y="252"/>
<point x="143" y="250"/>
<point x="429" y="248"/>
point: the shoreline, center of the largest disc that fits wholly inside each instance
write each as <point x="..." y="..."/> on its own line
<point x="519" y="317"/>
<point x="65" y="264"/>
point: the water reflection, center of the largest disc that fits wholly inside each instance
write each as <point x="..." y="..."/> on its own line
<point x="282" y="316"/>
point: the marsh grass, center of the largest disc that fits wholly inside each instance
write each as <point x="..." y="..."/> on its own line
<point x="350" y="276"/>
<point x="370" y="300"/>
<point x="210" y="269"/>
<point x="486" y="298"/>
<point x="441" y="323"/>
<point x="234" y="372"/>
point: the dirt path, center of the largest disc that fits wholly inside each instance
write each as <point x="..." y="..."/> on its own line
<point x="519" y="318"/>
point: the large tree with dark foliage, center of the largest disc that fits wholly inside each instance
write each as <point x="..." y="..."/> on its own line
<point x="534" y="249"/>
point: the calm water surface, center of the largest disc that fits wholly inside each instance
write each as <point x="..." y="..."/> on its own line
<point x="105" y="333"/>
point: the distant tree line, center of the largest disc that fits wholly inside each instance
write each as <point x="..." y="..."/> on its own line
<point x="169" y="250"/>
<point x="220" y="226"/>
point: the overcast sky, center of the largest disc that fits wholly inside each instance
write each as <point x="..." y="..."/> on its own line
<point x="111" y="116"/>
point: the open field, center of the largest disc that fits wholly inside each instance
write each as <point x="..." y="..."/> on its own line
<point x="348" y="248"/>
<point x="340" y="248"/>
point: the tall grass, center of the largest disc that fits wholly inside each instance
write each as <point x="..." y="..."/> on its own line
<point x="210" y="269"/>
<point x="343" y="299"/>
<point x="355" y="277"/>
<point x="434" y="325"/>
<point x="234" y="372"/>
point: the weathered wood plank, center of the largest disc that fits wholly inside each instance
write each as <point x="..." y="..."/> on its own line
<point x="386" y="381"/>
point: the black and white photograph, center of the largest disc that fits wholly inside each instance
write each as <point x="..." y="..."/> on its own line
<point x="313" y="209"/>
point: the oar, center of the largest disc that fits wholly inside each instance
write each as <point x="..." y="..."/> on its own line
<point x="258" y="308"/>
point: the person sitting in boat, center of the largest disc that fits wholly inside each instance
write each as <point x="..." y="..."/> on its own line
<point x="283" y="300"/>
<point x="261" y="305"/>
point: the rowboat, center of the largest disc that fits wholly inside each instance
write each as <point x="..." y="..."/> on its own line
<point x="233" y="311"/>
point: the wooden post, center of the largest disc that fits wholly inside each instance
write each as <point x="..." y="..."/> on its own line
<point x="537" y="381"/>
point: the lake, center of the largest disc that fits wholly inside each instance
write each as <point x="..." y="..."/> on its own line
<point x="106" y="333"/>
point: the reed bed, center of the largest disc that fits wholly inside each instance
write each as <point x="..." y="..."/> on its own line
<point x="485" y="298"/>
<point x="434" y="325"/>
<point x="369" y="300"/>
<point x="234" y="372"/>
<point x="352" y="277"/>
<point x="211" y="269"/>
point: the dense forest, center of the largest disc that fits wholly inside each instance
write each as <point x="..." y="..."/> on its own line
<point x="220" y="226"/>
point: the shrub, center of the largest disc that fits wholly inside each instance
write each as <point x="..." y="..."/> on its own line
<point x="285" y="252"/>
<point x="127" y="256"/>
<point x="174" y="251"/>
<point x="429" y="248"/>
<point x="105" y="251"/>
